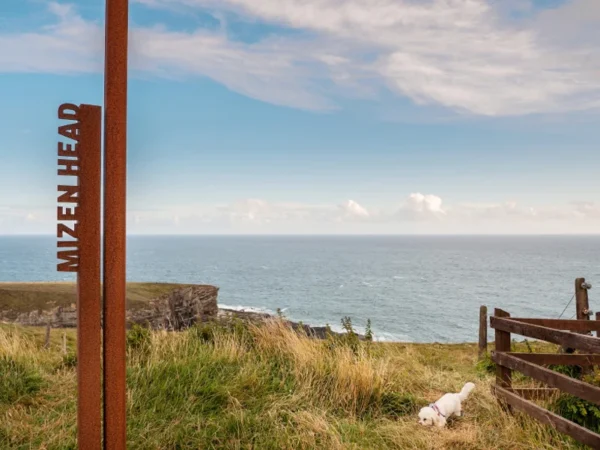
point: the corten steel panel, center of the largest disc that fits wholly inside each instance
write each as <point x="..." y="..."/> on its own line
<point x="115" y="164"/>
<point x="89" y="379"/>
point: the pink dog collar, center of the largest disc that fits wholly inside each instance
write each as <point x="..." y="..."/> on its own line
<point x="436" y="409"/>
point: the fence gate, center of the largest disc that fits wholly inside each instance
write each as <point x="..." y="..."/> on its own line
<point x="571" y="334"/>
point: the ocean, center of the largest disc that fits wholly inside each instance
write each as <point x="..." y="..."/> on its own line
<point x="412" y="288"/>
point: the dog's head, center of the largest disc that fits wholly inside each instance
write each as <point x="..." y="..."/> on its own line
<point x="428" y="416"/>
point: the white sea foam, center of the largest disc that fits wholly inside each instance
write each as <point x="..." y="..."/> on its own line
<point x="251" y="309"/>
<point x="389" y="337"/>
<point x="377" y="336"/>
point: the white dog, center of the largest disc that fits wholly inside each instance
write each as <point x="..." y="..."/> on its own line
<point x="437" y="413"/>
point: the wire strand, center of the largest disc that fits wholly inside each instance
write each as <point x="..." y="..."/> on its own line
<point x="561" y="314"/>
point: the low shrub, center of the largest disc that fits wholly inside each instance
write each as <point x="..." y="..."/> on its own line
<point x="394" y="404"/>
<point x="575" y="409"/>
<point x="138" y="338"/>
<point x="18" y="382"/>
<point x="486" y="366"/>
<point x="69" y="361"/>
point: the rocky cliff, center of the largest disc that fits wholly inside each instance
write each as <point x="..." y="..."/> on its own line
<point x="157" y="306"/>
<point x="176" y="310"/>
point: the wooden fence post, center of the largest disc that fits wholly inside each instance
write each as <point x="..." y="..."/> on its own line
<point x="47" y="341"/>
<point x="483" y="329"/>
<point x="64" y="343"/>
<point x="582" y="304"/>
<point x="582" y="308"/>
<point x="597" y="318"/>
<point x="502" y="344"/>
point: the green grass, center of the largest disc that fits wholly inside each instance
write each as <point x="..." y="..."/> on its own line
<point x="27" y="297"/>
<point x="247" y="386"/>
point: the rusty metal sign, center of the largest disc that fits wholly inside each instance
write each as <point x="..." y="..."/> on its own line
<point x="78" y="230"/>
<point x="68" y="165"/>
<point x="101" y="328"/>
<point x="115" y="181"/>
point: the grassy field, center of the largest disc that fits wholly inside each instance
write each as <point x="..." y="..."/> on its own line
<point x="249" y="386"/>
<point x="242" y="386"/>
<point x="26" y="297"/>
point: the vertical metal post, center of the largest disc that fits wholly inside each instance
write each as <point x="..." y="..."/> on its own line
<point x="115" y="176"/>
<point x="79" y="205"/>
<point x="89" y="343"/>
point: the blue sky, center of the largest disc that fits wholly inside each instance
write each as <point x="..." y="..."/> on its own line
<point x="319" y="116"/>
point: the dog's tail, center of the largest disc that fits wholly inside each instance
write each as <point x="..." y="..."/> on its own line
<point x="465" y="391"/>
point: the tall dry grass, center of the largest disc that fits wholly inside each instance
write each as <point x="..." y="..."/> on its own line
<point x="264" y="386"/>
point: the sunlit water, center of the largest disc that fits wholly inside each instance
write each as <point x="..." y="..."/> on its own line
<point x="421" y="289"/>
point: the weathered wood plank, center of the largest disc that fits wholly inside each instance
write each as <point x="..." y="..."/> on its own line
<point x="562" y="324"/>
<point x="483" y="329"/>
<point x="502" y="344"/>
<point x="554" y="379"/>
<point x="564" y="338"/>
<point x="535" y="393"/>
<point x="546" y="359"/>
<point x="561" y="424"/>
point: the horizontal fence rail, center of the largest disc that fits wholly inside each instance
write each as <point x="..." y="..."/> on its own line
<point x="565" y="338"/>
<point x="535" y="393"/>
<point x="562" y="324"/>
<point x="563" y="382"/>
<point x="571" y="335"/>
<point x="547" y="359"/>
<point x="561" y="424"/>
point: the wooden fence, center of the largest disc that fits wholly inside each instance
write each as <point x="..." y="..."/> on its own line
<point x="571" y="335"/>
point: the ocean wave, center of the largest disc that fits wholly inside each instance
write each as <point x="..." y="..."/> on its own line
<point x="378" y="336"/>
<point x="251" y="309"/>
<point x="390" y="337"/>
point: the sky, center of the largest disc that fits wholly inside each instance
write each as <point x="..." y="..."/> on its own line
<point x="318" y="116"/>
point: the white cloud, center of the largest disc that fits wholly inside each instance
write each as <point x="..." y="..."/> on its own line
<point x="421" y="207"/>
<point x="588" y="210"/>
<point x="461" y="54"/>
<point x="69" y="46"/>
<point x="351" y="209"/>
<point x="417" y="213"/>
<point x="263" y="71"/>
<point x="251" y="210"/>
<point x="15" y="220"/>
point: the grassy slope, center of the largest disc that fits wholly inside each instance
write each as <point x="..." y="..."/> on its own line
<point x="26" y="297"/>
<point x="262" y="388"/>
